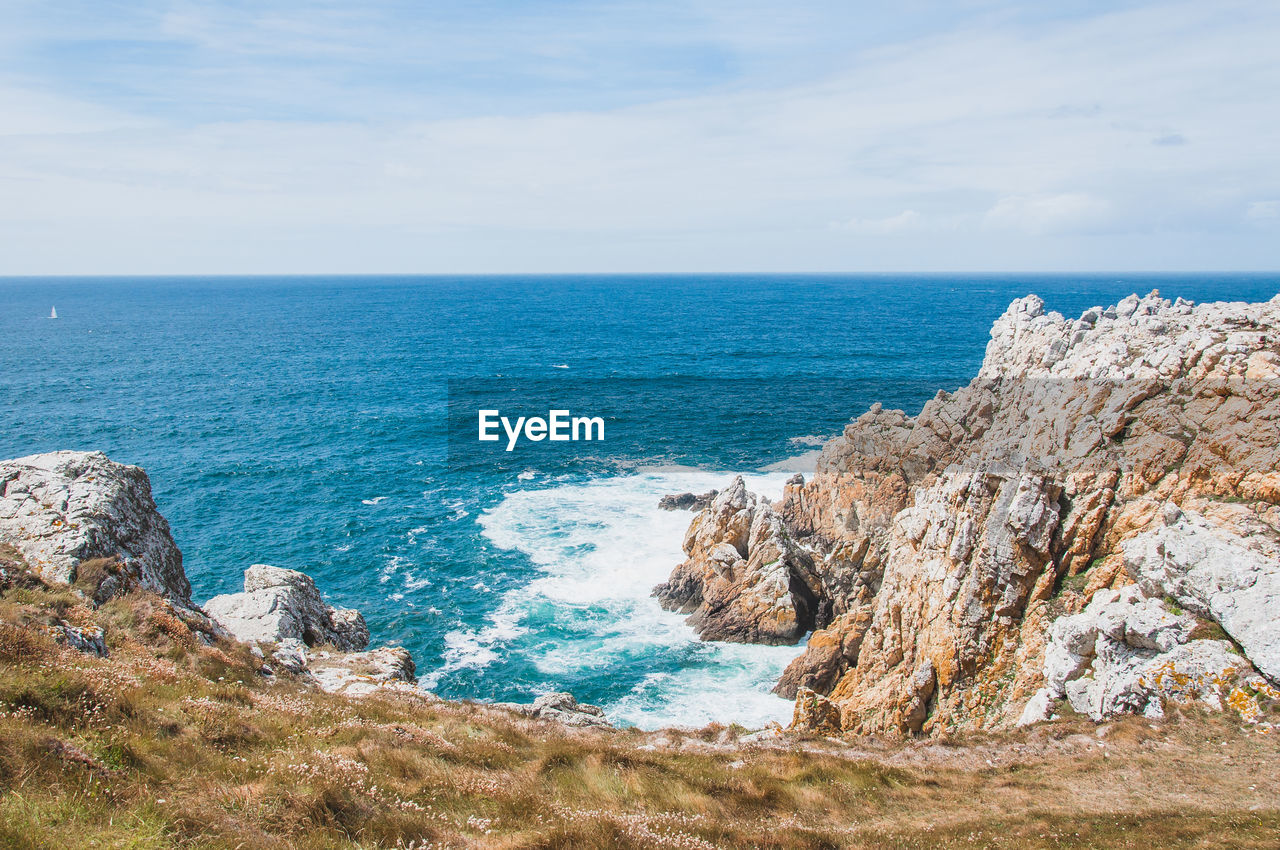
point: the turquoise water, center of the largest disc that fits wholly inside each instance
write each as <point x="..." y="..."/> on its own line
<point x="303" y="422"/>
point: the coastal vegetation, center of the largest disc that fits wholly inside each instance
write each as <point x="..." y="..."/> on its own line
<point x="168" y="742"/>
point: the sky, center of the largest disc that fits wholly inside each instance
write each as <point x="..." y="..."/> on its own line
<point x="403" y="136"/>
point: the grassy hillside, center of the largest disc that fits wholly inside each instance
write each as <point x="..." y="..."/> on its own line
<point x="170" y="743"/>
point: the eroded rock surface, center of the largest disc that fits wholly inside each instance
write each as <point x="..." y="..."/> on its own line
<point x="933" y="554"/>
<point x="279" y="604"/>
<point x="61" y="509"/>
<point x="745" y="580"/>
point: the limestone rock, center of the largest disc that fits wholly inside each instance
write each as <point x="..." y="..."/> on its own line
<point x="562" y="708"/>
<point x="279" y="604"/>
<point x="89" y="641"/>
<point x="64" y="508"/>
<point x="1211" y="570"/>
<point x="361" y="673"/>
<point x="1128" y="654"/>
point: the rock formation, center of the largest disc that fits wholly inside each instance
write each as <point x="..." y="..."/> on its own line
<point x="943" y="559"/>
<point x="79" y="518"/>
<point x="278" y="605"/>
<point x="561" y="708"/>
<point x="64" y="508"/>
<point x="745" y="580"/>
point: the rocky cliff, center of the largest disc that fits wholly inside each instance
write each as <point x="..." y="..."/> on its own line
<point x="1093" y="523"/>
<point x="64" y="508"/>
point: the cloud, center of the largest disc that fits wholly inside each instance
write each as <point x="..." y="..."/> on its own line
<point x="986" y="141"/>
<point x="905" y="220"/>
<point x="1263" y="211"/>
<point x="1072" y="212"/>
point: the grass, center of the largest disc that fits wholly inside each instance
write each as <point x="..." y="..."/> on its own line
<point x="170" y="743"/>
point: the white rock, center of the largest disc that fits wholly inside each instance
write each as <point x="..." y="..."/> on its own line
<point x="279" y="604"/>
<point x="1214" y="572"/>
<point x="362" y="673"/>
<point x="1127" y="654"/>
<point x="562" y="708"/>
<point x="62" y="508"/>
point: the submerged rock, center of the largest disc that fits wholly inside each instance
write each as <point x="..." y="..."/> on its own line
<point x="686" y="501"/>
<point x="279" y="604"/>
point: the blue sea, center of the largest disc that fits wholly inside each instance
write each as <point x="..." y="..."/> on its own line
<point x="306" y="422"/>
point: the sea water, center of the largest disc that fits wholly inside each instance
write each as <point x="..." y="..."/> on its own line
<point x="321" y="424"/>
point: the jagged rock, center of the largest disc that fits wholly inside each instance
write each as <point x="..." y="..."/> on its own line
<point x="744" y="580"/>
<point x="1128" y="654"/>
<point x="938" y="550"/>
<point x="562" y="708"/>
<point x="687" y="501"/>
<point x="63" y="508"/>
<point x="1216" y="573"/>
<point x="279" y="604"/>
<point x="291" y="654"/>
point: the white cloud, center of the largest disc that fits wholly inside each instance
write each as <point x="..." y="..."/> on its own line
<point x="1263" y="211"/>
<point x="905" y="220"/>
<point x="993" y="146"/>
<point x="1071" y="212"/>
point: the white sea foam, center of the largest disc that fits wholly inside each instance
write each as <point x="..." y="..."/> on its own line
<point x="600" y="548"/>
<point x="376" y="500"/>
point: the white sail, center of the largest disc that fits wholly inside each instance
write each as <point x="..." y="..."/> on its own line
<point x="53" y="312"/>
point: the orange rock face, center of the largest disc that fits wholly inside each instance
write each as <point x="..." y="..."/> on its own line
<point x="933" y="553"/>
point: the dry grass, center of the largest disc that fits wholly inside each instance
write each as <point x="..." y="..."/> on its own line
<point x="168" y="743"/>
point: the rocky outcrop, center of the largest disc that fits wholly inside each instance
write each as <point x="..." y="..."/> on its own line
<point x="745" y="580"/>
<point x="279" y="605"/>
<point x="64" y="508"/>
<point x="361" y="673"/>
<point x="1215" y="571"/>
<point x="935" y="553"/>
<point x="561" y="708"/>
<point x="1126" y="654"/>
<point x="79" y="518"/>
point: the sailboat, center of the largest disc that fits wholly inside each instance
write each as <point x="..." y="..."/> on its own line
<point x="53" y="312"/>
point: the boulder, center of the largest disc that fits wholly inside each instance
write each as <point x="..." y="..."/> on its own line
<point x="279" y="604"/>
<point x="815" y="713"/>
